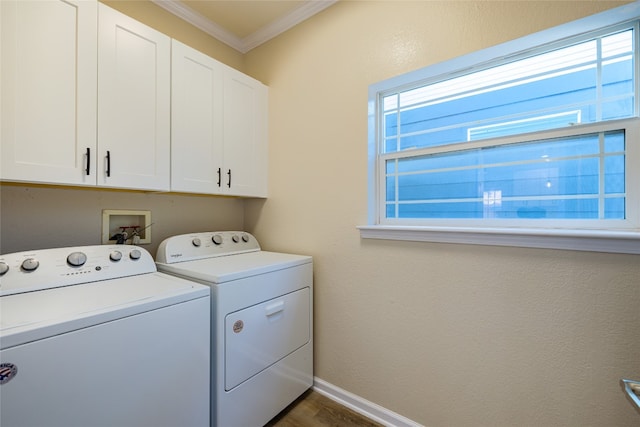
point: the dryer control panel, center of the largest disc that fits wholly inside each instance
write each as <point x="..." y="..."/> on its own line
<point x="52" y="268"/>
<point x="190" y="247"/>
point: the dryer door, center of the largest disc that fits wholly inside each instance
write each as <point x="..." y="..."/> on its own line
<point x="259" y="336"/>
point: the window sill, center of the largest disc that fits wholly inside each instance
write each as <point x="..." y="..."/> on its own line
<point x="626" y="242"/>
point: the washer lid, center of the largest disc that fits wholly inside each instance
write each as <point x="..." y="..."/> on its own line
<point x="234" y="267"/>
<point x="35" y="315"/>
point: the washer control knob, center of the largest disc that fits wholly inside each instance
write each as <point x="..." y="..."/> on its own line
<point x="235" y="239"/>
<point x="115" y="256"/>
<point x="3" y="268"/>
<point x="196" y="242"/>
<point x="76" y="259"/>
<point x="245" y="238"/>
<point x="30" y="264"/>
<point x="217" y="239"/>
<point x="135" y="254"/>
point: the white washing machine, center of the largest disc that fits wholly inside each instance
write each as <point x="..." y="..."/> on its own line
<point x="261" y="321"/>
<point x="95" y="336"/>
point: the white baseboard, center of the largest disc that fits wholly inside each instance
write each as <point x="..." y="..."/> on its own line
<point x="362" y="406"/>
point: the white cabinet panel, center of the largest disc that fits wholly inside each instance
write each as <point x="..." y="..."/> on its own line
<point x="245" y="134"/>
<point x="196" y="121"/>
<point x="48" y="91"/>
<point x="133" y="103"/>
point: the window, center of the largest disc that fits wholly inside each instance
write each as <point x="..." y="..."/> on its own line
<point x="546" y="142"/>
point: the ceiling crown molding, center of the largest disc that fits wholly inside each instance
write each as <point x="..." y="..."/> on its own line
<point x="296" y="16"/>
<point x="305" y="11"/>
<point x="187" y="14"/>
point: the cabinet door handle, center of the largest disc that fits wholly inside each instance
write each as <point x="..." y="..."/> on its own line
<point x="219" y="176"/>
<point x="88" y="169"/>
<point x="108" y="163"/>
<point x="229" y="183"/>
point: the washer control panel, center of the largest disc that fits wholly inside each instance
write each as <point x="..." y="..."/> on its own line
<point x="51" y="268"/>
<point x="189" y="247"/>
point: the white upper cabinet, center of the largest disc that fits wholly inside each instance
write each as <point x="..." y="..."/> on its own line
<point x="90" y="96"/>
<point x="244" y="134"/>
<point x="218" y="127"/>
<point x="196" y="121"/>
<point x="134" y="78"/>
<point x="48" y="91"/>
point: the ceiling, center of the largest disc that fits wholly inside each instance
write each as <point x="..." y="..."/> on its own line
<point x="244" y="24"/>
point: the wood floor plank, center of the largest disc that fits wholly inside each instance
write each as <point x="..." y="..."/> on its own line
<point x="312" y="409"/>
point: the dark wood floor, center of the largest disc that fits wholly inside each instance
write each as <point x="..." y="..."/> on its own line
<point x="312" y="409"/>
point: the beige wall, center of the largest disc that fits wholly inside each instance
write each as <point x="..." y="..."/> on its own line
<point x="444" y="334"/>
<point x="39" y="216"/>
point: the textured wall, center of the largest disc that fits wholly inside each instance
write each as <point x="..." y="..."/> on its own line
<point x="36" y="217"/>
<point x="447" y="335"/>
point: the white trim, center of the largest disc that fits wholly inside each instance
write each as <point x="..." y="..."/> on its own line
<point x="187" y="14"/>
<point x="625" y="242"/>
<point x="362" y="406"/>
<point x="244" y="45"/>
<point x="293" y="18"/>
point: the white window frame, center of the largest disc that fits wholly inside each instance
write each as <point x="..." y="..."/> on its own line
<point x="553" y="235"/>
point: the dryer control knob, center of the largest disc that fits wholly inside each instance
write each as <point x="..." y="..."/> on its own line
<point x="235" y="239"/>
<point x="217" y="239"/>
<point x="245" y="238"/>
<point x="196" y="242"/>
<point x="135" y="254"/>
<point x="3" y="268"/>
<point x="76" y="259"/>
<point x="115" y="256"/>
<point x="30" y="264"/>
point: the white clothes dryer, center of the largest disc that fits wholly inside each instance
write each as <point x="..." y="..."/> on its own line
<point x="95" y="336"/>
<point x="261" y="321"/>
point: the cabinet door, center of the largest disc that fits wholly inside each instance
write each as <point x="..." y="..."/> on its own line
<point x="133" y="103"/>
<point x="48" y="91"/>
<point x="196" y="121"/>
<point x="245" y="135"/>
